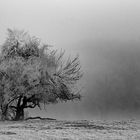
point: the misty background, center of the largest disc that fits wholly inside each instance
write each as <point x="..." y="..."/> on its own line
<point x="105" y="34"/>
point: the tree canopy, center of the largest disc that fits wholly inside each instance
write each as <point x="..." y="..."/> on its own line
<point x="32" y="73"/>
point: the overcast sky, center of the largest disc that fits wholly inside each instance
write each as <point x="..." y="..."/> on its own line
<point x="106" y="35"/>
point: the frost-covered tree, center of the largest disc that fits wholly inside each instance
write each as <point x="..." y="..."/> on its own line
<point x="32" y="74"/>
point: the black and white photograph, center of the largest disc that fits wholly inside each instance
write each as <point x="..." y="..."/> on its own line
<point x="69" y="70"/>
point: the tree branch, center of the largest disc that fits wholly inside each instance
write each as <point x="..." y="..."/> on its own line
<point x="31" y="106"/>
<point x="13" y="107"/>
<point x="13" y="100"/>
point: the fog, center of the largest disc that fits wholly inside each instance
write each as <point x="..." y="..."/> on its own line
<point x="113" y="77"/>
<point x="104" y="33"/>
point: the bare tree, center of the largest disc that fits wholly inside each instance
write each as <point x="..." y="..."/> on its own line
<point x="32" y="74"/>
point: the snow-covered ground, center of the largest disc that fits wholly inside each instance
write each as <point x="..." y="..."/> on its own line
<point x="70" y="130"/>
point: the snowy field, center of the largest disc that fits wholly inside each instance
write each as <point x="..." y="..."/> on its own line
<point x="70" y="130"/>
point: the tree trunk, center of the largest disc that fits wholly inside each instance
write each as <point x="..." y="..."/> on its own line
<point x="19" y="114"/>
<point x="20" y="109"/>
<point x="22" y="103"/>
